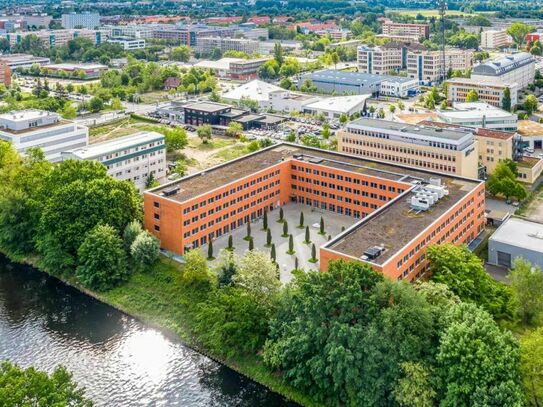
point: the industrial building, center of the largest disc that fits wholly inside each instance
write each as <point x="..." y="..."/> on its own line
<point x="45" y="130"/>
<point x="515" y="68"/>
<point x="134" y="158"/>
<point x="354" y="83"/>
<point x="451" y="151"/>
<point x="516" y="237"/>
<point x="398" y="211"/>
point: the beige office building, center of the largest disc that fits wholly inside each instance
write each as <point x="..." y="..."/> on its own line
<point x="452" y="151"/>
<point x="492" y="93"/>
<point x="426" y="65"/>
<point x="493" y="39"/>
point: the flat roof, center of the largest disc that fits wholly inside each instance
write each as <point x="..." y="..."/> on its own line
<point x="520" y="233"/>
<point x="529" y="128"/>
<point x="393" y="225"/>
<point x="474" y="110"/>
<point x="355" y="78"/>
<point x="341" y="104"/>
<point x="479" y="131"/>
<point x="448" y="133"/>
<point x="75" y="66"/>
<point x="209" y="107"/>
<point x="121" y="143"/>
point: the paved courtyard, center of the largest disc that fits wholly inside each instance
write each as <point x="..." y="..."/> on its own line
<point x="333" y="224"/>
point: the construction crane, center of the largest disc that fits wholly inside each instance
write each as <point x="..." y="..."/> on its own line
<point x="442" y="6"/>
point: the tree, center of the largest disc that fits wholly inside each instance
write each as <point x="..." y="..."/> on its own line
<point x="251" y="243"/>
<point x="31" y="387"/>
<point x="503" y="181"/>
<point x="478" y="362"/>
<point x="307" y="235"/>
<point x="145" y="250"/>
<point x="234" y="129"/>
<point x="313" y="253"/>
<point x="272" y="253"/>
<point x="176" y="139"/>
<point x="226" y="267"/>
<point x="265" y="219"/>
<point x="290" y="245"/>
<point x="76" y="207"/>
<point x="101" y="259"/>
<point x="392" y="108"/>
<point x="285" y="229"/>
<point x="196" y="271"/>
<point x="527" y="286"/>
<point x="414" y="389"/>
<point x="506" y="100"/>
<point x="531" y="360"/>
<point x="530" y="104"/>
<point x="181" y="53"/>
<point x="278" y="53"/>
<point x="68" y="111"/>
<point x="232" y="322"/>
<point x="257" y="274"/>
<point x="230" y="243"/>
<point x="343" y="118"/>
<point x="341" y="336"/>
<point x="248" y="235"/>
<point x="130" y="233"/>
<point x="204" y="132"/>
<point x="464" y="274"/>
<point x="518" y="32"/>
<point x="268" y="238"/>
<point x="96" y="104"/>
<point x="281" y="215"/>
<point x="321" y="226"/>
<point x="301" y="224"/>
<point x="472" y="96"/>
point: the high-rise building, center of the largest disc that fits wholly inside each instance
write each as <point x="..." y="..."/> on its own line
<point x="81" y="20"/>
<point x="381" y="60"/>
<point x="425" y="66"/>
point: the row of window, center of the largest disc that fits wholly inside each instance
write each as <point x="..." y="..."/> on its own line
<point x="342" y="198"/>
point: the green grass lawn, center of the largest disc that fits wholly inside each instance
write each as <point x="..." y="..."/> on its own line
<point x="124" y="127"/>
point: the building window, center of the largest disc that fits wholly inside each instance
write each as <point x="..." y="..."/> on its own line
<point x="157" y="228"/>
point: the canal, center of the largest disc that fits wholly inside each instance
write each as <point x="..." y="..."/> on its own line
<point x="120" y="361"/>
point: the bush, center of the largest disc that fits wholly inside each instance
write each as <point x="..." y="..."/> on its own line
<point x="145" y="250"/>
<point x="196" y="271"/>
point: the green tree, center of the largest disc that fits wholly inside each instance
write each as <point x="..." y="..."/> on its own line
<point x="531" y="360"/>
<point x="265" y="220"/>
<point x="518" y="32"/>
<point x="285" y="229"/>
<point x="325" y="131"/>
<point x="506" y="100"/>
<point x="472" y="96"/>
<point x="321" y="226"/>
<point x="181" y="53"/>
<point x="313" y="253"/>
<point x="415" y="387"/>
<point x="145" y="250"/>
<point x="234" y="129"/>
<point x="196" y="270"/>
<point x="205" y="133"/>
<point x="301" y="222"/>
<point x="226" y="267"/>
<point x="96" y="104"/>
<point x="464" y="273"/>
<point x="290" y="245"/>
<point x="176" y="139"/>
<point x="530" y="104"/>
<point x="257" y="274"/>
<point x="101" y="259"/>
<point x="268" y="238"/>
<point x="527" y="286"/>
<point x="477" y="362"/>
<point x="503" y="181"/>
<point x="31" y="387"/>
<point x="68" y="111"/>
<point x="130" y="233"/>
<point x="278" y="53"/>
<point x="307" y="235"/>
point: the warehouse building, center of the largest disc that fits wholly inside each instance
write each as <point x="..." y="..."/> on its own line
<point x="516" y="237"/>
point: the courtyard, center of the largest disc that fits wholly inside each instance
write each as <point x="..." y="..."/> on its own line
<point x="333" y="225"/>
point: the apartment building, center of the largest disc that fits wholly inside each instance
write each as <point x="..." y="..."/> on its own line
<point x="491" y="93"/>
<point x="46" y="130"/>
<point x="479" y="114"/>
<point x="398" y="211"/>
<point x="494" y="39"/>
<point x="516" y="68"/>
<point x="415" y="30"/>
<point x="134" y="158"/>
<point x="425" y="66"/>
<point x="55" y="38"/>
<point x="451" y="151"/>
<point x="81" y="20"/>
<point x="206" y="45"/>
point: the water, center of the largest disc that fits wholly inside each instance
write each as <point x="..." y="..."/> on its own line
<point x="120" y="361"/>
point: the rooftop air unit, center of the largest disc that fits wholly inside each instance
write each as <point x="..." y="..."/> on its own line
<point x="419" y="204"/>
<point x="170" y="191"/>
<point x="373" y="252"/>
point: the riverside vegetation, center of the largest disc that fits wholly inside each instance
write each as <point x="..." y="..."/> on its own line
<point x="346" y="337"/>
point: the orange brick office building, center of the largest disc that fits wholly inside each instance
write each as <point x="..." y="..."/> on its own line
<point x="389" y="233"/>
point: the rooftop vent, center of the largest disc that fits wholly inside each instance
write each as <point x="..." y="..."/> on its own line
<point x="372" y="253"/>
<point x="170" y="191"/>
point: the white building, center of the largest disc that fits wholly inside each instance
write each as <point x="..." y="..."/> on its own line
<point x="133" y="158"/>
<point x="206" y="45"/>
<point x="128" y="43"/>
<point x="78" y="20"/>
<point x="493" y="39"/>
<point x="334" y="107"/>
<point x="516" y="68"/>
<point x="479" y="114"/>
<point x="48" y="131"/>
<point x="493" y="93"/>
<point x="425" y="66"/>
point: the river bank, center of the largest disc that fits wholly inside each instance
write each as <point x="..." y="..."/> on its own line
<point x="159" y="299"/>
